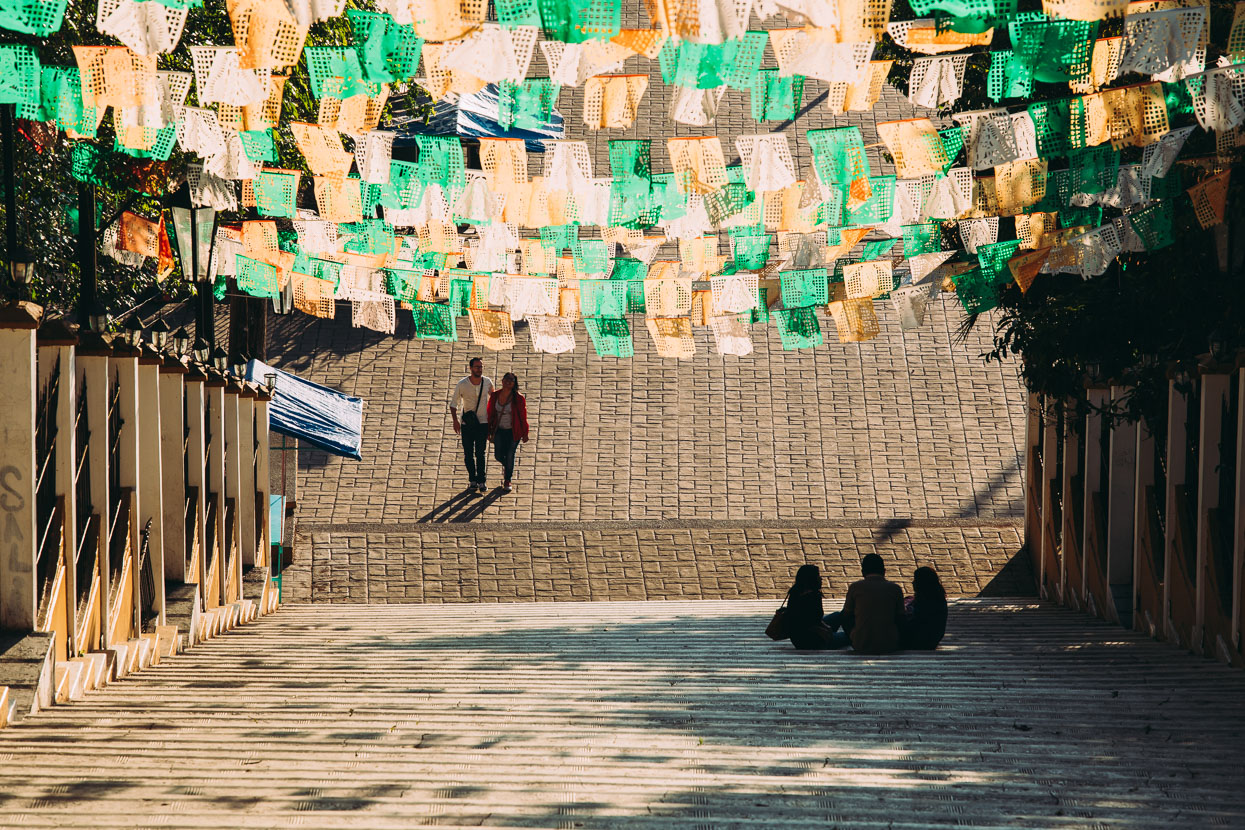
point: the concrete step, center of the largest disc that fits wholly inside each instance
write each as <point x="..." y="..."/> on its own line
<point x="629" y="715"/>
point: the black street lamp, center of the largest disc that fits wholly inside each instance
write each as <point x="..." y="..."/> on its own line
<point x="22" y="271"/>
<point x="133" y="332"/>
<point x="219" y="359"/>
<point x="181" y="341"/>
<point x="160" y="334"/>
<point x="195" y="228"/>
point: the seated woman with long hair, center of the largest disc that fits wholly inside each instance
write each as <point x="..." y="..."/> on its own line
<point x="926" y="619"/>
<point x="803" y="618"/>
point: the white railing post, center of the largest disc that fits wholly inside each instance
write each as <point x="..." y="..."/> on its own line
<point x="1210" y="432"/>
<point x="1121" y="496"/>
<point x="93" y="355"/>
<point x="1098" y="398"/>
<point x="246" y="478"/>
<point x="151" y="476"/>
<point x="1177" y="435"/>
<point x="56" y="342"/>
<point x="18" y="535"/>
<point x="263" y="474"/>
<point x="1144" y="476"/>
<point x="1071" y="465"/>
<point x="125" y="360"/>
<point x="233" y="475"/>
<point x="173" y="468"/>
<point x="1238" y="520"/>
<point x="196" y="463"/>
<point x="1050" y="446"/>
<point x="215" y="386"/>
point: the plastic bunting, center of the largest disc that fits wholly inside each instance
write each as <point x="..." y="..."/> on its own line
<point x="1210" y="199"/>
<point x="1086" y="176"/>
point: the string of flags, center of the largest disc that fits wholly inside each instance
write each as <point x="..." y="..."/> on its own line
<point x="1080" y="179"/>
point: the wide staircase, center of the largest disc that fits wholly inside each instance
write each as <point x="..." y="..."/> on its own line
<point x="653" y="714"/>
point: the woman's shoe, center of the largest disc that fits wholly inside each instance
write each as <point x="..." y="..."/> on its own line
<point x="505" y="486"/>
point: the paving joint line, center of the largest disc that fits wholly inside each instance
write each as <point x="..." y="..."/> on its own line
<point x="889" y="525"/>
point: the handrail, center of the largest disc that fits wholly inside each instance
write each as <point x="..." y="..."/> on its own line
<point x="47" y="464"/>
<point x="86" y="529"/>
<point x="47" y="528"/>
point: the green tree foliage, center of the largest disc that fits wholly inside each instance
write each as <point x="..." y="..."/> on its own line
<point x="1149" y="310"/>
<point x="47" y="194"/>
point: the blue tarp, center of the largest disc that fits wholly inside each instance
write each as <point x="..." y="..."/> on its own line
<point x="477" y="116"/>
<point x="312" y="413"/>
<point x="473" y="116"/>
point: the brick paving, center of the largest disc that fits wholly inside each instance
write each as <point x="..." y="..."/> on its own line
<point x="809" y="455"/>
<point x="910" y="425"/>
<point x="641" y="561"/>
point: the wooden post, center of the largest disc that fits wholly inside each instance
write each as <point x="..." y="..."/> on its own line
<point x="173" y="468"/>
<point x="18" y="603"/>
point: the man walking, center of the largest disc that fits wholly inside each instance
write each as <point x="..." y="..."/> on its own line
<point x="471" y="396"/>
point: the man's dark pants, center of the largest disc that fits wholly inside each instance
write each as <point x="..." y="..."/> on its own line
<point x="475" y="441"/>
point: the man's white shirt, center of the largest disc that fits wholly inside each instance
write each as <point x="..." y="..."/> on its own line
<point x="466" y="394"/>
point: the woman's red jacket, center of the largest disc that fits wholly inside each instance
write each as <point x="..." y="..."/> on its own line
<point x="519" y="418"/>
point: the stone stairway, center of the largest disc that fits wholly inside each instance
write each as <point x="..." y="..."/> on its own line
<point x="654" y="715"/>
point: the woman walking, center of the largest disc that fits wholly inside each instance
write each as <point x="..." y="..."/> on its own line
<point x="507" y="424"/>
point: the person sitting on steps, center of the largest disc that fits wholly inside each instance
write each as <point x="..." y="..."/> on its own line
<point x="925" y="620"/>
<point x="873" y="610"/>
<point x="803" y="617"/>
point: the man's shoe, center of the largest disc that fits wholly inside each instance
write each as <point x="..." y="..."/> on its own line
<point x="505" y="486"/>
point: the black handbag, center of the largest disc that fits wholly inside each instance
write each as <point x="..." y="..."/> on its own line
<point x="777" y="628"/>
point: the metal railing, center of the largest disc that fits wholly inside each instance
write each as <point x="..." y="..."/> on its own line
<point x="48" y="512"/>
<point x="115" y="499"/>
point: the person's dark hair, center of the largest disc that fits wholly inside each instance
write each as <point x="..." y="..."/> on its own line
<point x="807" y="578"/>
<point x="472" y="362"/>
<point x="927" y="587"/>
<point x="872" y="564"/>
<point x="513" y="377"/>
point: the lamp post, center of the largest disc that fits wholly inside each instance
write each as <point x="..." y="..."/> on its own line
<point x="195" y="228"/>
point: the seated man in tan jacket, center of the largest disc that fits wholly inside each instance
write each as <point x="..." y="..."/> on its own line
<point x="872" y="611"/>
